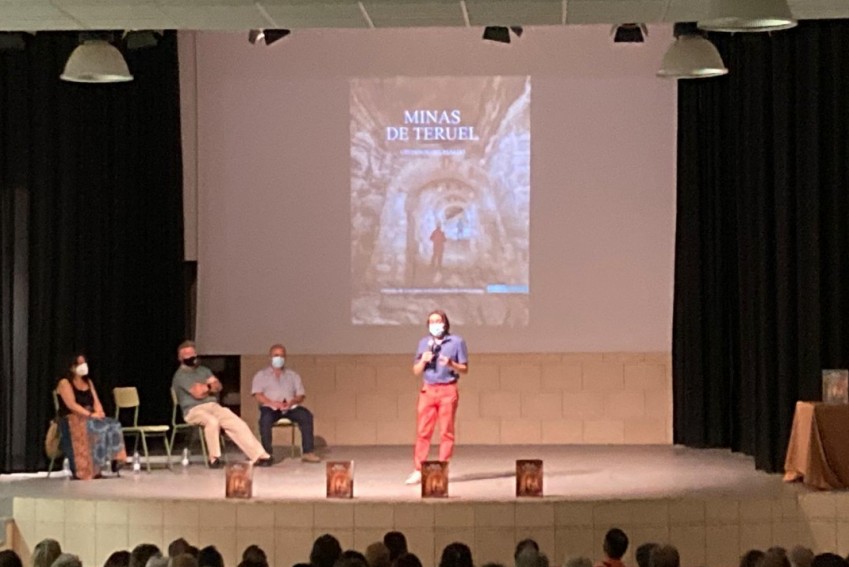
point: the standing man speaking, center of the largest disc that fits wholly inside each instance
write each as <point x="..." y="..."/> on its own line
<point x="440" y="359"/>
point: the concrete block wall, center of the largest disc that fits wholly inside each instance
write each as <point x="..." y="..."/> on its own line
<point x="505" y="399"/>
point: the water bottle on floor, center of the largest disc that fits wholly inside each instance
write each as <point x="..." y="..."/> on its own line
<point x="185" y="461"/>
<point x="66" y="468"/>
<point x="136" y="463"/>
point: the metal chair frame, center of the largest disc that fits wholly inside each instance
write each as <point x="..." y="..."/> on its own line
<point x="128" y="398"/>
<point x="183" y="426"/>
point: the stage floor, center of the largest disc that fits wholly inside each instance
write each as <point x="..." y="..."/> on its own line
<point x="477" y="473"/>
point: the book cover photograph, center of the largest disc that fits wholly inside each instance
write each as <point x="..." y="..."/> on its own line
<point x="529" y="477"/>
<point x="434" y="479"/>
<point x="835" y="386"/>
<point x="440" y="198"/>
<point x="239" y="480"/>
<point x="340" y="479"/>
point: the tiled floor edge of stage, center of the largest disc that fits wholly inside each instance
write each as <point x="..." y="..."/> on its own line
<point x="718" y="508"/>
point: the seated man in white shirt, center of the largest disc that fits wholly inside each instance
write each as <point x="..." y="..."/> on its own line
<point x="280" y="393"/>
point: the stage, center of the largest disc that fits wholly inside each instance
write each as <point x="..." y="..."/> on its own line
<point x="712" y="504"/>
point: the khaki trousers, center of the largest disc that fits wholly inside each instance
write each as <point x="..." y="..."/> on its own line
<point x="213" y="417"/>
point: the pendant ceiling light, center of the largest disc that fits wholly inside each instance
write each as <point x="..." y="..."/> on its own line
<point x="96" y="61"/>
<point x="748" y="16"/>
<point x="691" y="56"/>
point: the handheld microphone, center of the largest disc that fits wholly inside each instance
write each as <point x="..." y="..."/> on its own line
<point x="434" y="348"/>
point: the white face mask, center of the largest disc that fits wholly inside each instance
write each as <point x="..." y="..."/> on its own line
<point x="82" y="369"/>
<point x="278" y="361"/>
<point x="436" y="329"/>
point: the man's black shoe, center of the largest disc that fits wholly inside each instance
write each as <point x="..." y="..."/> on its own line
<point x="215" y="463"/>
<point x="265" y="462"/>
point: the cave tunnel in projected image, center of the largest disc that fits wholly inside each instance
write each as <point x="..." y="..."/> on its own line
<point x="440" y="192"/>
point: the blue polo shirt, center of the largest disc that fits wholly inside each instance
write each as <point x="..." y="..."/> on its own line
<point x="453" y="347"/>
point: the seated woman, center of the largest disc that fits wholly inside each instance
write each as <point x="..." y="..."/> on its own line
<point x="92" y="442"/>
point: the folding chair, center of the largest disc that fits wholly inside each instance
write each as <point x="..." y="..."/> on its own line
<point x="285" y="422"/>
<point x="128" y="398"/>
<point x="183" y="426"/>
<point x="55" y="395"/>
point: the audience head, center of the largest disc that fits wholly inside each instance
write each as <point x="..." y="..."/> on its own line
<point x="118" y="559"/>
<point x="67" y="560"/>
<point x="527" y="543"/>
<point x="407" y="560"/>
<point x="397" y="544"/>
<point x="142" y="553"/>
<point x="209" y="556"/>
<point x="800" y="556"/>
<point x="351" y="558"/>
<point x="643" y="554"/>
<point x="183" y="560"/>
<point x="491" y="564"/>
<point x="615" y="543"/>
<point x="377" y="555"/>
<point x="578" y="562"/>
<point x="529" y="557"/>
<point x="456" y="555"/>
<point x="9" y="558"/>
<point x="178" y="547"/>
<point x="751" y="558"/>
<point x="45" y="553"/>
<point x="774" y="557"/>
<point x="828" y="560"/>
<point x="325" y="551"/>
<point x="254" y="554"/>
<point x="158" y="560"/>
<point x="665" y="556"/>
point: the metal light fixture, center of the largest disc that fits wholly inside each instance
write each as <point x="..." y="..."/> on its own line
<point x="501" y="34"/>
<point x="629" y="33"/>
<point x="748" y="16"/>
<point x="12" y="41"/>
<point x="96" y="61"/>
<point x="268" y="36"/>
<point x="691" y="56"/>
<point x="141" y="39"/>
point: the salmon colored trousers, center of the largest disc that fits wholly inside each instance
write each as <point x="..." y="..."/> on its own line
<point x="436" y="402"/>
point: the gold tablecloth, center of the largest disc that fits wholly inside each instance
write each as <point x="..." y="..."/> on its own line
<point x="818" y="450"/>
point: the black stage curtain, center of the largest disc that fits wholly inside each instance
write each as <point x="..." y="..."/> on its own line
<point x="762" y="246"/>
<point x="91" y="234"/>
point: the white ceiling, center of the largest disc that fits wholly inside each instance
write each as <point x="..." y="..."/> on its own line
<point x="32" y="15"/>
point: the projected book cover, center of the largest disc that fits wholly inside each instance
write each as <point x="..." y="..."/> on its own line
<point x="440" y="197"/>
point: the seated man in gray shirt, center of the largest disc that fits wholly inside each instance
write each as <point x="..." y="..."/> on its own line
<point x="280" y="393"/>
<point x="196" y="386"/>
